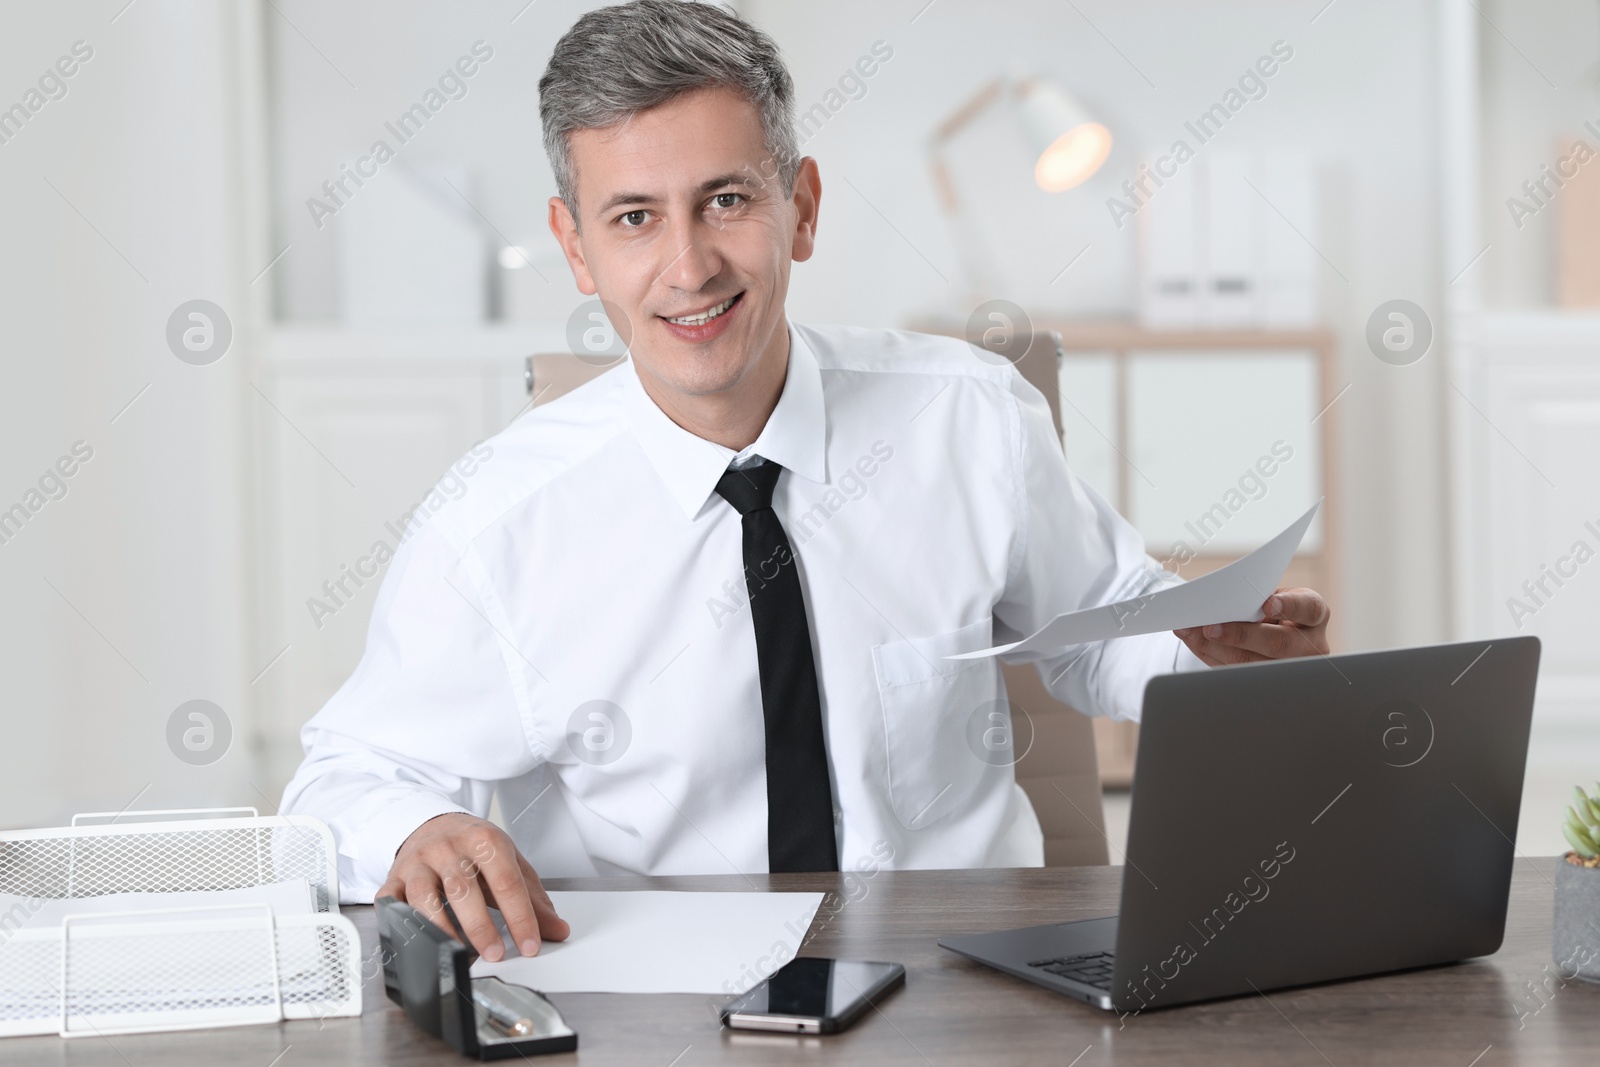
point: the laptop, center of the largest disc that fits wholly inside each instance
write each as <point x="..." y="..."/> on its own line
<point x="1304" y="821"/>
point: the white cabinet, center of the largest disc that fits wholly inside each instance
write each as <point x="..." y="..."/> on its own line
<point x="1222" y="449"/>
<point x="354" y="432"/>
<point x="1529" y="433"/>
<point x="1225" y="448"/>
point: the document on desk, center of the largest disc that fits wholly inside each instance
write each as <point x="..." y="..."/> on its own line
<point x="1230" y="594"/>
<point x="663" y="942"/>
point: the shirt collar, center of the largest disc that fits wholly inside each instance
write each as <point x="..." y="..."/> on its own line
<point x="795" y="435"/>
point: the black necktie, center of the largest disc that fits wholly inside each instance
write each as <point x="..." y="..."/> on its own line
<point x="799" y="797"/>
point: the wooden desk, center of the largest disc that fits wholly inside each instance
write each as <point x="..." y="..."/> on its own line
<point x="956" y="1012"/>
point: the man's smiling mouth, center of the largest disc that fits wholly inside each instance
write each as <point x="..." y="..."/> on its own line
<point x="700" y="318"/>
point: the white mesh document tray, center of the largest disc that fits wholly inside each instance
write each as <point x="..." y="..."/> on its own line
<point x="172" y="924"/>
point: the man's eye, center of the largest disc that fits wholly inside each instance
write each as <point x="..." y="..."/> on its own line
<point x="727" y="201"/>
<point x="634" y="218"/>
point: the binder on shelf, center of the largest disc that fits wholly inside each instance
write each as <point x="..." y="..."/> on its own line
<point x="172" y="924"/>
<point x="1231" y="276"/>
<point x="1170" y="254"/>
<point x="1215" y="252"/>
<point x="1291" y="267"/>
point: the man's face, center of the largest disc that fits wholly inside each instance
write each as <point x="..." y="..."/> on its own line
<point x="682" y="212"/>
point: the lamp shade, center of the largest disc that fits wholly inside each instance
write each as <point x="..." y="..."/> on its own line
<point x="1069" y="144"/>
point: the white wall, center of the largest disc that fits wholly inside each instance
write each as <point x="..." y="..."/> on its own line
<point x="340" y="72"/>
<point x="1359" y="94"/>
<point x="155" y="542"/>
<point x="149" y="546"/>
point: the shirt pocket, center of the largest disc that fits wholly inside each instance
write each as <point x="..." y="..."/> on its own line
<point x="927" y="703"/>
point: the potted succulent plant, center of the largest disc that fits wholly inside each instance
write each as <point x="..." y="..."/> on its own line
<point x="1577" y="915"/>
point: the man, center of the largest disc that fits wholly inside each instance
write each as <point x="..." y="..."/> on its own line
<point x="694" y="616"/>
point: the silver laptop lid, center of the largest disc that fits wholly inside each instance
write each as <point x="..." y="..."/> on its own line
<point x="1322" y="818"/>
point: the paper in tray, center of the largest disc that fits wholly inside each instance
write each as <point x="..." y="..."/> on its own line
<point x="172" y="924"/>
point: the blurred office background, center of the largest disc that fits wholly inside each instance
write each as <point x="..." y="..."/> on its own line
<point x="232" y="475"/>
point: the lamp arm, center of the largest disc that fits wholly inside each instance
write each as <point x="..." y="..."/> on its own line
<point x="963" y="116"/>
<point x="968" y="243"/>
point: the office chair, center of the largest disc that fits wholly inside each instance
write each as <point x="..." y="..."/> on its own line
<point x="1059" y="769"/>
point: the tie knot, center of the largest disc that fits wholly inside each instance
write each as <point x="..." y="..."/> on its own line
<point x="749" y="489"/>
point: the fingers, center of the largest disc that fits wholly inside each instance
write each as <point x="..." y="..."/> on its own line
<point x="1268" y="639"/>
<point x="472" y="912"/>
<point x="1303" y="607"/>
<point x="1216" y="653"/>
<point x="1294" y="624"/>
<point x="508" y="889"/>
<point x="421" y="891"/>
<point x="476" y="866"/>
<point x="551" y="926"/>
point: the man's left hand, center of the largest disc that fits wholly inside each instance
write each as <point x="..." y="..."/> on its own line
<point x="1296" y="624"/>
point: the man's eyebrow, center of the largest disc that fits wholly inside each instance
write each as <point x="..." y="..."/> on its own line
<point x="731" y="178"/>
<point x="626" y="198"/>
<point x="720" y="180"/>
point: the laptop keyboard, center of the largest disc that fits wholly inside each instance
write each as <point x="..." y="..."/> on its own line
<point x="1092" y="969"/>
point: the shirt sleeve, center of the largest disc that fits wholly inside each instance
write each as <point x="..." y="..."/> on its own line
<point x="1075" y="551"/>
<point x="426" y="725"/>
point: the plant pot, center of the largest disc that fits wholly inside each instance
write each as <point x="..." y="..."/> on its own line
<point x="1576" y="941"/>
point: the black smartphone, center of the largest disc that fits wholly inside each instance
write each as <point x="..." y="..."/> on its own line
<point x="813" y="996"/>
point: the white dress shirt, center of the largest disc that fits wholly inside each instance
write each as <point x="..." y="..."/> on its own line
<point x="573" y="631"/>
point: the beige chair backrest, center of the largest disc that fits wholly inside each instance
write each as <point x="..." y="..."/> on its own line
<point x="1058" y="769"/>
<point x="552" y="376"/>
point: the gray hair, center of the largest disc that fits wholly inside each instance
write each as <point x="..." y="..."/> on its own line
<point x="620" y="60"/>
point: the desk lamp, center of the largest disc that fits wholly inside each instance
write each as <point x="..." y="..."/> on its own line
<point x="1068" y="146"/>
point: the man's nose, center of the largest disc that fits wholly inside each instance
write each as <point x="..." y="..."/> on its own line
<point x="695" y="259"/>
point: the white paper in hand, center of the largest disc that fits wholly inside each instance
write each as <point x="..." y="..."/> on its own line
<point x="1231" y="594"/>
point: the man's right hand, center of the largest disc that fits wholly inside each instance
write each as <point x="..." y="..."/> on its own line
<point x="472" y="863"/>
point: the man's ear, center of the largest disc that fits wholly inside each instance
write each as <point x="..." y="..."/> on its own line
<point x="807" y="200"/>
<point x="566" y="234"/>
